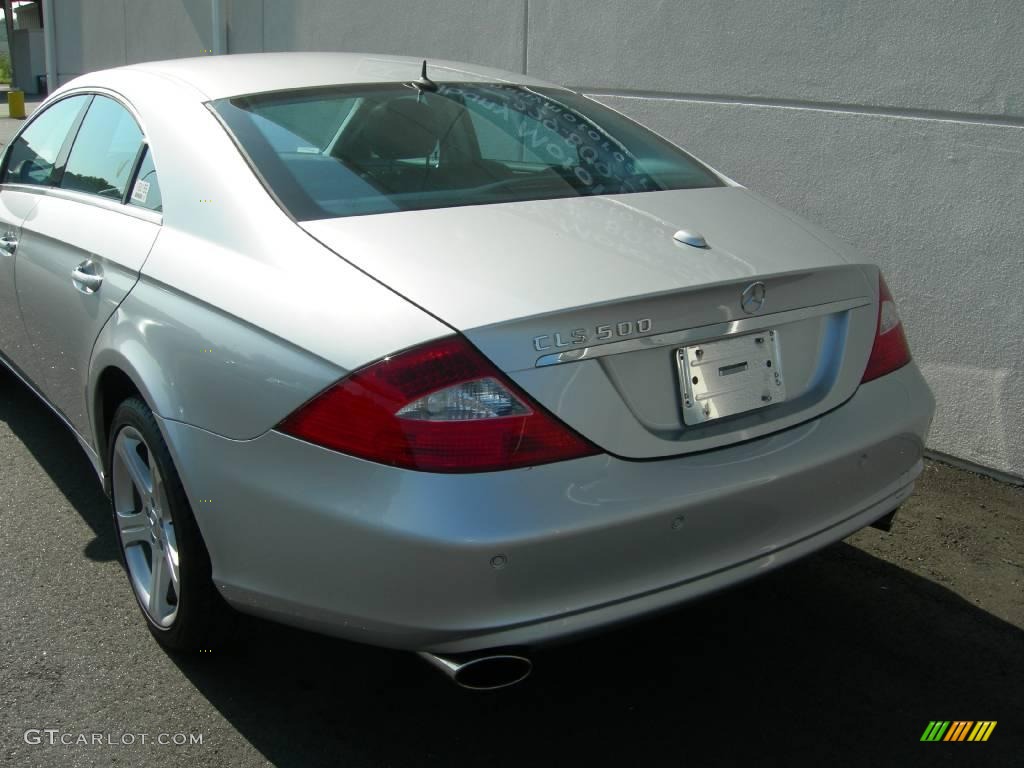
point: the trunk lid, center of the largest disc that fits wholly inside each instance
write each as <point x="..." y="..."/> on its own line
<point x="586" y="302"/>
<point x="475" y="266"/>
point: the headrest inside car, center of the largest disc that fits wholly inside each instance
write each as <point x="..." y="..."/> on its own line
<point x="400" y="129"/>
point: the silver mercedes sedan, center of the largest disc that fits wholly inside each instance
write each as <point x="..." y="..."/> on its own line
<point x="436" y="357"/>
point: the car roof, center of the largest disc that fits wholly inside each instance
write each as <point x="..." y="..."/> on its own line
<point x="215" y="77"/>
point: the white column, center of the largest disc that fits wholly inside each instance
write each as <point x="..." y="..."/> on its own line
<point x="220" y="26"/>
<point x="50" y="46"/>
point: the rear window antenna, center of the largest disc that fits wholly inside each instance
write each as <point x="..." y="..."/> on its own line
<point x="425" y="83"/>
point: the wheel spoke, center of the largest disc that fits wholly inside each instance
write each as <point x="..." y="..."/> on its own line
<point x="158" y="492"/>
<point x="171" y="555"/>
<point x="137" y="470"/>
<point x="134" y="528"/>
<point x="158" y="583"/>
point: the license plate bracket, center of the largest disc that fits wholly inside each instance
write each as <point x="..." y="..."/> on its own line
<point x="730" y="376"/>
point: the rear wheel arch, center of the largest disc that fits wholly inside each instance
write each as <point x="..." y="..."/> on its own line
<point x="113" y="387"/>
<point x="114" y="383"/>
<point x="121" y="364"/>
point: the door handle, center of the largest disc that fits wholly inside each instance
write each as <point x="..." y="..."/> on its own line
<point x="86" y="277"/>
<point x="9" y="242"/>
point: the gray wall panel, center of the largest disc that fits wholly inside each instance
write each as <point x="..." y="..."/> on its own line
<point x="483" y="31"/>
<point x="161" y="30"/>
<point x="245" y="26"/>
<point x="946" y="55"/>
<point x="89" y="36"/>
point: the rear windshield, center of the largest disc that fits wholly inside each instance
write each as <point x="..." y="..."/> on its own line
<point x="356" y="150"/>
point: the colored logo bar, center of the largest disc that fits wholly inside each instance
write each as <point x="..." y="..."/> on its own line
<point x="958" y="730"/>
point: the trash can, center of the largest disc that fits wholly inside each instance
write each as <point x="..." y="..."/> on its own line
<point x="16" y="103"/>
<point x="41" y="85"/>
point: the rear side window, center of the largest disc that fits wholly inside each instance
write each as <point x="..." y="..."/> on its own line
<point x="34" y="153"/>
<point x="146" y="189"/>
<point x="104" y="152"/>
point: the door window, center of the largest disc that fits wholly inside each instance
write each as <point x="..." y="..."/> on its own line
<point x="146" y="189"/>
<point x="34" y="153"/>
<point x="104" y="151"/>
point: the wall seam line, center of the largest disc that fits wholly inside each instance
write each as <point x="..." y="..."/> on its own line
<point x="816" y="106"/>
<point x="124" y="18"/>
<point x="526" y="36"/>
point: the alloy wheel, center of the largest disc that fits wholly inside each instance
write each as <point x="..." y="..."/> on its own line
<point x="145" y="527"/>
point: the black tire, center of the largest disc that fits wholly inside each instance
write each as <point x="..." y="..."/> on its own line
<point x="202" y="620"/>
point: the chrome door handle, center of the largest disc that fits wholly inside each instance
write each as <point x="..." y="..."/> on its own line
<point x="9" y="242"/>
<point x="85" y="277"/>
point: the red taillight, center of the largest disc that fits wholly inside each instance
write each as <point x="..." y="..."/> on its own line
<point x="890" y="350"/>
<point x="439" y="407"/>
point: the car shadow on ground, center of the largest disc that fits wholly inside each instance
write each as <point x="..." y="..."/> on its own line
<point x="842" y="658"/>
<point x="55" y="449"/>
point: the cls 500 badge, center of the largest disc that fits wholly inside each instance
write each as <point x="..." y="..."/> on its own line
<point x="580" y="336"/>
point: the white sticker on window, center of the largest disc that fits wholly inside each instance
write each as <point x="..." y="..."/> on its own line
<point x="141" y="191"/>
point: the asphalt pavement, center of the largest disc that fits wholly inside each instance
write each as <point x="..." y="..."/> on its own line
<point x="841" y="659"/>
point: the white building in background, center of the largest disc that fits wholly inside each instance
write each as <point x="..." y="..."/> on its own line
<point x="25" y="44"/>
<point x="899" y="126"/>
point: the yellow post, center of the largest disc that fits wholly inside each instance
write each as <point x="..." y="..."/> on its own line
<point x="16" y="103"/>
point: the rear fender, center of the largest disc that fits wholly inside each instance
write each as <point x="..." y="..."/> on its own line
<point x="197" y="365"/>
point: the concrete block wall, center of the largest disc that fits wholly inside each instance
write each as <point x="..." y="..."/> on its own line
<point x="96" y="34"/>
<point x="899" y="126"/>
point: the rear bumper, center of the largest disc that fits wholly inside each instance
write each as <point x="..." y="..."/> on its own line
<point x="460" y="562"/>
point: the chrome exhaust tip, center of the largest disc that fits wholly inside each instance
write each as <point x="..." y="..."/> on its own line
<point x="486" y="671"/>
